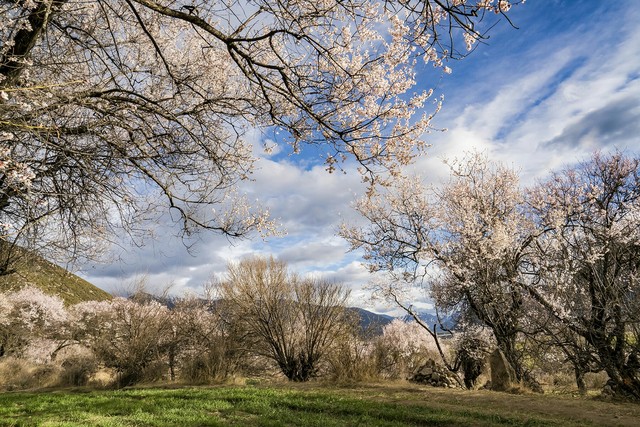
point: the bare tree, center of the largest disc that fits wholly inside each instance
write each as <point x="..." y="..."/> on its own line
<point x="287" y="319"/>
<point x="115" y="112"/>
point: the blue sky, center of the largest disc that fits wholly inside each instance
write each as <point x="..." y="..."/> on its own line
<point x="545" y="95"/>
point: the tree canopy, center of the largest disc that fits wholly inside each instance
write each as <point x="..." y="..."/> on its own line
<point x="115" y="112"/>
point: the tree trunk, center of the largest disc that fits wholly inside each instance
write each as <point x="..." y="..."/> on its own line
<point x="582" y="386"/>
<point x="172" y="363"/>
<point x="624" y="372"/>
<point x="624" y="382"/>
<point x="508" y="346"/>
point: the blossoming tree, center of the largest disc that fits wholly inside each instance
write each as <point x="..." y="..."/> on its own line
<point x="28" y="315"/>
<point x="115" y="112"/>
<point x="466" y="242"/>
<point x="588" y="259"/>
<point x="557" y="263"/>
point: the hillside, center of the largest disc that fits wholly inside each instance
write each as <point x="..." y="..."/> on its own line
<point x="51" y="279"/>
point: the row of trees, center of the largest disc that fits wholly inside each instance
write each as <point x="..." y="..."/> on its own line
<point x="265" y="320"/>
<point x="552" y="267"/>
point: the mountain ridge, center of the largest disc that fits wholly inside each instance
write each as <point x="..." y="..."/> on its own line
<point x="30" y="269"/>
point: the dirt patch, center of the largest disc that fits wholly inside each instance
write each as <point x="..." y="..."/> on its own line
<point x="572" y="410"/>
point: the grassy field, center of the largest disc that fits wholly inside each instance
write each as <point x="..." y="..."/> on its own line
<point x="306" y="405"/>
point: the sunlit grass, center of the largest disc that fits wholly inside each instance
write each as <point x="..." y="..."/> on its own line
<point x="282" y="405"/>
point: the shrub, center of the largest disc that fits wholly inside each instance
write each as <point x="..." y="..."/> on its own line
<point x="472" y="346"/>
<point x="403" y="348"/>
<point x="20" y="374"/>
<point x="77" y="370"/>
<point x="352" y="358"/>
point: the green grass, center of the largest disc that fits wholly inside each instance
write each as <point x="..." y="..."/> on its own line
<point x="303" y="405"/>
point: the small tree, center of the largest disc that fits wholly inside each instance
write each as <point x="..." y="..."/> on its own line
<point x="290" y="320"/>
<point x="472" y="345"/>
<point x="29" y="314"/>
<point x="125" y="335"/>
<point x="204" y="347"/>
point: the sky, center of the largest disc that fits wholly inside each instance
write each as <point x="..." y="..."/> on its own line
<point x="564" y="83"/>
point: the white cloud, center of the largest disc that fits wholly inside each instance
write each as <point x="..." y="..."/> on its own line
<point x="536" y="98"/>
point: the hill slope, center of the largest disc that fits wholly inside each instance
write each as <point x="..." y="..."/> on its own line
<point x="32" y="270"/>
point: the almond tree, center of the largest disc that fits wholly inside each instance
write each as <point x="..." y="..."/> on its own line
<point x="588" y="261"/>
<point x="27" y="315"/>
<point x="115" y="112"/>
<point x="290" y="320"/>
<point x="467" y="242"/>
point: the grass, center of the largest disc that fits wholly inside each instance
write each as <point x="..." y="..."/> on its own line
<point x="305" y="405"/>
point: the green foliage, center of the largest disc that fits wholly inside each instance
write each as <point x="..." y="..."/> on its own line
<point x="308" y="406"/>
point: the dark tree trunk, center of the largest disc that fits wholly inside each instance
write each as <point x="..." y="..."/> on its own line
<point x="299" y="369"/>
<point x="582" y="386"/>
<point x="624" y="381"/>
<point x="172" y="363"/>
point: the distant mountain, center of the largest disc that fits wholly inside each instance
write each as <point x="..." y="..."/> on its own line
<point x="371" y="322"/>
<point x="33" y="270"/>
<point x="374" y="323"/>
<point x="430" y="319"/>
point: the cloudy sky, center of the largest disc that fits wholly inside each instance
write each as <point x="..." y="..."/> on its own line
<point x="566" y="82"/>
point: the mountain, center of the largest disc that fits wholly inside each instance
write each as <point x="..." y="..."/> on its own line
<point x="430" y="319"/>
<point x="33" y="270"/>
<point x="371" y="322"/>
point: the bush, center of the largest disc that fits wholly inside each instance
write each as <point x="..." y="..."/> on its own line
<point x="125" y="335"/>
<point x="19" y="374"/>
<point x="352" y="358"/>
<point x="76" y="370"/>
<point x="472" y="347"/>
<point x="403" y="348"/>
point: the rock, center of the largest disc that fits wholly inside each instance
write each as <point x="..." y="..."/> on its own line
<point x="426" y="371"/>
<point x="435" y="375"/>
<point x="502" y="374"/>
<point x="607" y="391"/>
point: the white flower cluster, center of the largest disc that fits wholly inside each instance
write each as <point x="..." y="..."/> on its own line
<point x="17" y="175"/>
<point x="31" y="308"/>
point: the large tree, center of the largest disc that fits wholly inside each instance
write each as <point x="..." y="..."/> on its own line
<point x="558" y="263"/>
<point x="114" y="112"/>
<point x="588" y="262"/>
<point x="466" y="242"/>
